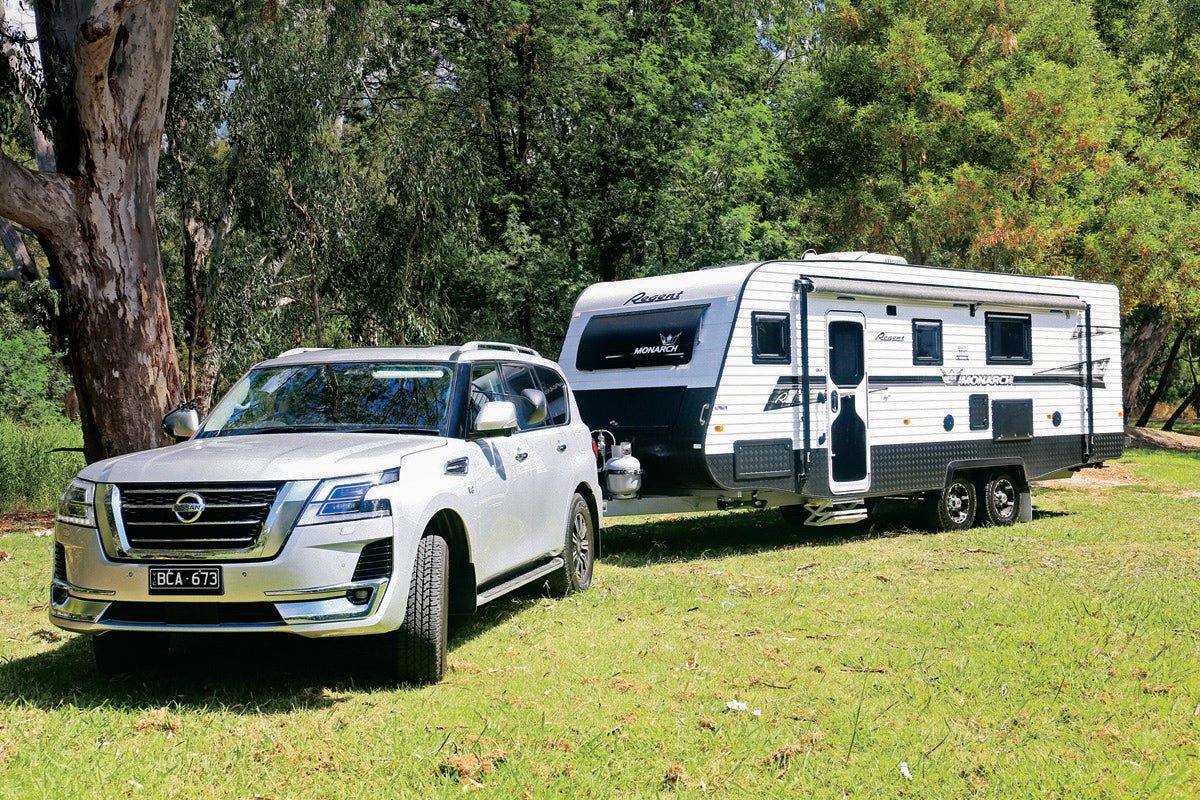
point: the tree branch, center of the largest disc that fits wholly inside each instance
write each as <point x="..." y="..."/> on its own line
<point x="40" y="201"/>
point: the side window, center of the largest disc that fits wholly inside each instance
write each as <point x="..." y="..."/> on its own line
<point x="556" y="395"/>
<point x="485" y="385"/>
<point x="927" y="341"/>
<point x="518" y="378"/>
<point x="1009" y="339"/>
<point x="771" y="335"/>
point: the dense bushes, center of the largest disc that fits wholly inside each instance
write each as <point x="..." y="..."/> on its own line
<point x="31" y="476"/>
<point x="32" y="387"/>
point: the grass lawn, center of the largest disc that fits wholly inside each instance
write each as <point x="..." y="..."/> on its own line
<point x="1055" y="659"/>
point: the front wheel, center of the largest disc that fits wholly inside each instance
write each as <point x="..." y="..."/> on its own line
<point x="1001" y="499"/>
<point x="579" y="552"/>
<point x="418" y="649"/>
<point x="953" y="509"/>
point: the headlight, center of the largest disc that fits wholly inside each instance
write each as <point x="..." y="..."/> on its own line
<point x="77" y="504"/>
<point x="345" y="499"/>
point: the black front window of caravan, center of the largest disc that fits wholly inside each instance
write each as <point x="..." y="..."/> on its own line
<point x="641" y="339"/>
<point x="1009" y="339"/>
<point x="771" y="338"/>
<point x="927" y="341"/>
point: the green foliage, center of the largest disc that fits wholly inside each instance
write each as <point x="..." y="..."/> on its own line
<point x="447" y="170"/>
<point x="31" y="476"/>
<point x="32" y="380"/>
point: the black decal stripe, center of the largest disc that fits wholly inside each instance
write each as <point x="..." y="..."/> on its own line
<point x="884" y="381"/>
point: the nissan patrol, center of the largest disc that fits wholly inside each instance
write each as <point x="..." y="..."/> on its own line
<point x="336" y="492"/>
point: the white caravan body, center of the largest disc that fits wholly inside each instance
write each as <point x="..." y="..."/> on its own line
<point x="844" y="376"/>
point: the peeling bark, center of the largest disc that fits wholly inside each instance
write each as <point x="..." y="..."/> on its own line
<point x="107" y="67"/>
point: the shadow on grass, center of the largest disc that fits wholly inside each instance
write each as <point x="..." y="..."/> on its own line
<point x="708" y="536"/>
<point x="242" y="673"/>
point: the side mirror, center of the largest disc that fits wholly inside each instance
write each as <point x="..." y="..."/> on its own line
<point x="539" y="410"/>
<point x="181" y="423"/>
<point x="498" y="417"/>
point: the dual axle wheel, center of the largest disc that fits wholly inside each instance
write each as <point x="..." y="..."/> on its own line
<point x="997" y="498"/>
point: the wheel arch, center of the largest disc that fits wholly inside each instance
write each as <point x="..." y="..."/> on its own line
<point x="589" y="497"/>
<point x="977" y="469"/>
<point x="450" y="526"/>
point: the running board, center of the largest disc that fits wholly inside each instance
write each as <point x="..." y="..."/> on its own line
<point x="835" y="513"/>
<point x="515" y="583"/>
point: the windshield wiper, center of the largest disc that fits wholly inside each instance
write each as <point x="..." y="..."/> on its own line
<point x="393" y="429"/>
<point x="287" y="429"/>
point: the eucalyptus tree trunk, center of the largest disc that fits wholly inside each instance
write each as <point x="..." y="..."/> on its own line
<point x="107" y="67"/>
<point x="1140" y="344"/>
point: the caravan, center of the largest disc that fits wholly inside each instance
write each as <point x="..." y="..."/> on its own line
<point x="824" y="384"/>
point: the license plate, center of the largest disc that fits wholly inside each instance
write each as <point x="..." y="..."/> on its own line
<point x="186" y="580"/>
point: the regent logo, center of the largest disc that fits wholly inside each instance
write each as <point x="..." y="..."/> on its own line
<point x="957" y="377"/>
<point x="890" y="337"/>
<point x="188" y="507"/>
<point x="669" y="346"/>
<point x="642" y="297"/>
<point x="787" y="393"/>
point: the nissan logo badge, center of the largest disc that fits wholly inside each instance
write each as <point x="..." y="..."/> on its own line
<point x="188" y="507"/>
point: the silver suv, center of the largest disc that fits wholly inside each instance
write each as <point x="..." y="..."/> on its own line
<point x="336" y="492"/>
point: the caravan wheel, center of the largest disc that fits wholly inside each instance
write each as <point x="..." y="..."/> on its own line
<point x="953" y="509"/>
<point x="1001" y="498"/>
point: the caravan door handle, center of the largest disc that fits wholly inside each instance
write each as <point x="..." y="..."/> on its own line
<point x="833" y="401"/>
<point x="703" y="415"/>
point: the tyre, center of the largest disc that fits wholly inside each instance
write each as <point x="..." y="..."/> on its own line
<point x="953" y="509"/>
<point x="129" y="652"/>
<point x="1000" y="499"/>
<point x="579" y="552"/>
<point x="418" y="648"/>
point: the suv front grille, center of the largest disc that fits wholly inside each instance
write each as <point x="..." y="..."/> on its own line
<point x="191" y="613"/>
<point x="232" y="517"/>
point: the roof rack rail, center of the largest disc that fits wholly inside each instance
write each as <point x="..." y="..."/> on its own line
<point x="298" y="350"/>
<point x="853" y="255"/>
<point x="512" y="348"/>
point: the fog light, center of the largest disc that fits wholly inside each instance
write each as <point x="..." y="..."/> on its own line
<point x="360" y="596"/>
<point x="58" y="595"/>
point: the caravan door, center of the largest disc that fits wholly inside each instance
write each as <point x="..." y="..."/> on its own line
<point x="846" y="394"/>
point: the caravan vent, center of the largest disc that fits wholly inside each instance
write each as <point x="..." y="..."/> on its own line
<point x="854" y="255"/>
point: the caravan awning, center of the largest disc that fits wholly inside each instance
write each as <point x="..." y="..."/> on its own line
<point x="882" y="290"/>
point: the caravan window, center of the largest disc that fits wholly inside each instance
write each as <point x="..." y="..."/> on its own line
<point x="772" y="338"/>
<point x="1009" y="339"/>
<point x="927" y="341"/>
<point x="640" y="339"/>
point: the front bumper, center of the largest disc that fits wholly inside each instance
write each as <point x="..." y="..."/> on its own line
<point x="303" y="590"/>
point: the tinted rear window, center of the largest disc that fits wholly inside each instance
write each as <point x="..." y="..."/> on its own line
<point x="643" y="339"/>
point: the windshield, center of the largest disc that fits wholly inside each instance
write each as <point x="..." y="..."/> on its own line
<point x="357" y="396"/>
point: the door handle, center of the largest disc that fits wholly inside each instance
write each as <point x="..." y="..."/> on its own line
<point x="521" y="456"/>
<point x="562" y="448"/>
<point x="833" y="401"/>
<point x="703" y="414"/>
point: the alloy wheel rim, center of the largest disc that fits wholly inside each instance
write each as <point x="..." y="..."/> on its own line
<point x="958" y="503"/>
<point x="581" y="551"/>
<point x="1004" y="498"/>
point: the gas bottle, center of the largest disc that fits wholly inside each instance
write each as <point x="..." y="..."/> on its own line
<point x="623" y="473"/>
